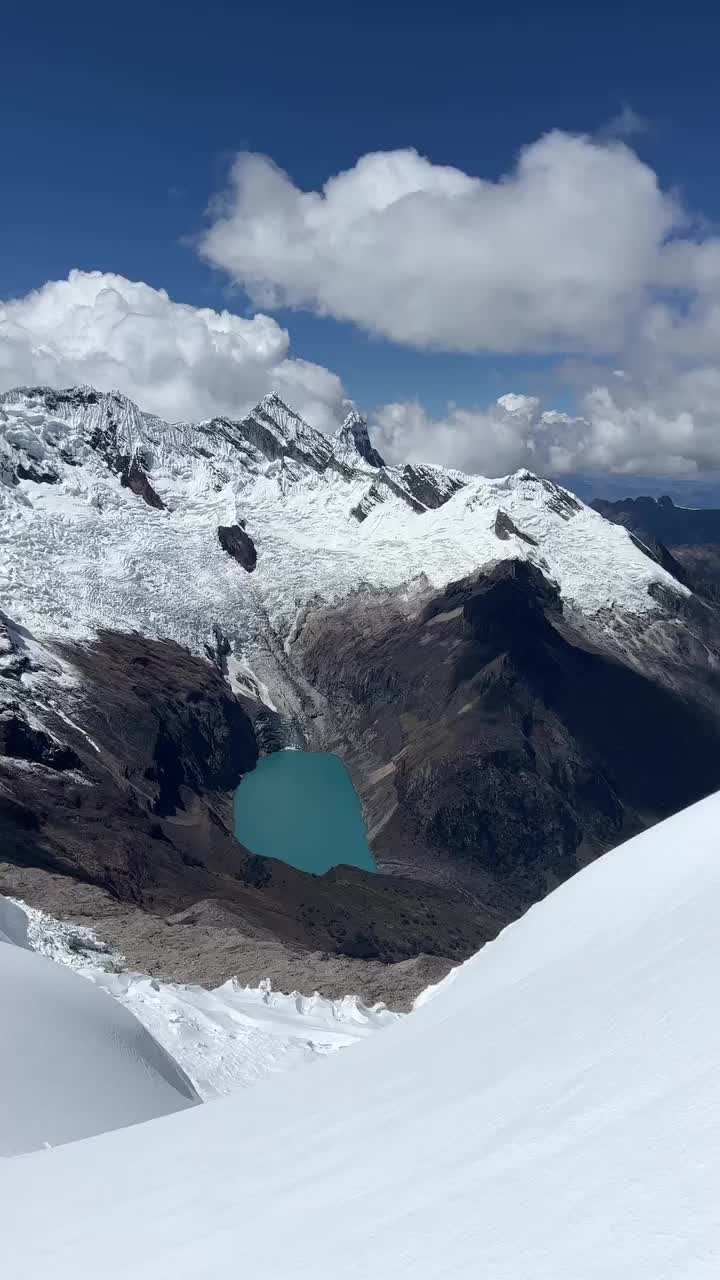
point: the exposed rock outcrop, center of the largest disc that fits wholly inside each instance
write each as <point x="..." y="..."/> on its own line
<point x="133" y="477"/>
<point x="239" y="545"/>
<point x="505" y="528"/>
<point x="432" y="486"/>
<point x="352" y="444"/>
<point x="20" y="740"/>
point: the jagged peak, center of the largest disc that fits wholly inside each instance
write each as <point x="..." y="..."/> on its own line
<point x="353" y="419"/>
<point x="274" y="410"/>
<point x="353" y="437"/>
<point x="79" y="391"/>
<point x="271" y="401"/>
<point x="279" y="432"/>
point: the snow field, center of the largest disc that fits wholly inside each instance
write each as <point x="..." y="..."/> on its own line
<point x="552" y="1111"/>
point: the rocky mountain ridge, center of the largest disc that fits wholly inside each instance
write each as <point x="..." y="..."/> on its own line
<point x="689" y="537"/>
<point x="497" y="663"/>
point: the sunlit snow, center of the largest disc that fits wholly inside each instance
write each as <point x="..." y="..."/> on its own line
<point x="84" y="553"/>
<point x="553" y="1111"/>
<point x="225" y="1039"/>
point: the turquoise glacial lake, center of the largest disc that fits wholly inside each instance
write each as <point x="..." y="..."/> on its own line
<point x="301" y="807"/>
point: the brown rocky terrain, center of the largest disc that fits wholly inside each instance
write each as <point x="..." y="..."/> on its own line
<point x="495" y="744"/>
<point x="130" y="791"/>
<point x="497" y="747"/>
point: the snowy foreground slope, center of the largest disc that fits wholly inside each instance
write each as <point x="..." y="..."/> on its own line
<point x="223" y="1040"/>
<point x="551" y="1111"/>
<point x="73" y="1062"/>
<point x="234" y="1036"/>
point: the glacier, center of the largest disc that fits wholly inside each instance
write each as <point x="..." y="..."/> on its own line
<point x="84" y="551"/>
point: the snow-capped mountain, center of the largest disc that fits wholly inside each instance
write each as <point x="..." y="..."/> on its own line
<point x="550" y="1111"/>
<point x="691" y="534"/>
<point x="352" y="444"/>
<point x="501" y="668"/>
<point x="110" y="518"/>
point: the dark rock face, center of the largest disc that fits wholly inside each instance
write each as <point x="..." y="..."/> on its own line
<point x="375" y="494"/>
<point x="355" y="429"/>
<point x="239" y="545"/>
<point x="675" y="526"/>
<point x="423" y="484"/>
<point x="266" y="431"/>
<point x="159" y="736"/>
<point x="505" y="527"/>
<point x="561" y="501"/>
<point x="35" y="473"/>
<point x="495" y="748"/>
<point x="701" y="567"/>
<point x="137" y="800"/>
<point x="133" y="477"/>
<point x="661" y="555"/>
<point x="22" y="741"/>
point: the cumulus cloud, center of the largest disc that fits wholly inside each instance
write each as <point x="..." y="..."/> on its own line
<point x="577" y="252"/>
<point x="561" y="254"/>
<point x="671" y="428"/>
<point x="175" y="360"/>
<point x="513" y="432"/>
<point x="189" y="362"/>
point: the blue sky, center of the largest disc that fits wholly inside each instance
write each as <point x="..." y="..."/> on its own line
<point x="118" y="126"/>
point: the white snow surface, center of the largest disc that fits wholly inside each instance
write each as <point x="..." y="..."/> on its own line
<point x="84" y="553"/>
<point x="13" y="923"/>
<point x="223" y="1040"/>
<point x="234" y="1036"/>
<point x="73" y="1062"/>
<point x="552" y="1112"/>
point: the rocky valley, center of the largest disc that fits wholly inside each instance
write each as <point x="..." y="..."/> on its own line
<point x="515" y="683"/>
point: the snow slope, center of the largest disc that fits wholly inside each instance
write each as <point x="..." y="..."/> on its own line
<point x="72" y="1061"/>
<point x="83" y="552"/>
<point x="233" y="1037"/>
<point x="552" y="1111"/>
<point x="223" y="1040"/>
<point x="13" y="923"/>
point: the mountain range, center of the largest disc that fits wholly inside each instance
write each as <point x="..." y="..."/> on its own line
<point x="515" y="681"/>
<point x="691" y="535"/>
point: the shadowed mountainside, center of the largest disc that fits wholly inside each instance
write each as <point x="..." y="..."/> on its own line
<point x="131" y="790"/>
<point x="495" y="747"/>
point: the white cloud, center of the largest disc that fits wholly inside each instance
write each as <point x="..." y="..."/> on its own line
<point x="578" y="251"/>
<point x="511" y="433"/>
<point x="188" y="362"/>
<point x="628" y="123"/>
<point x="670" y="428"/>
<point x="562" y="254"/>
<point x="175" y="360"/>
